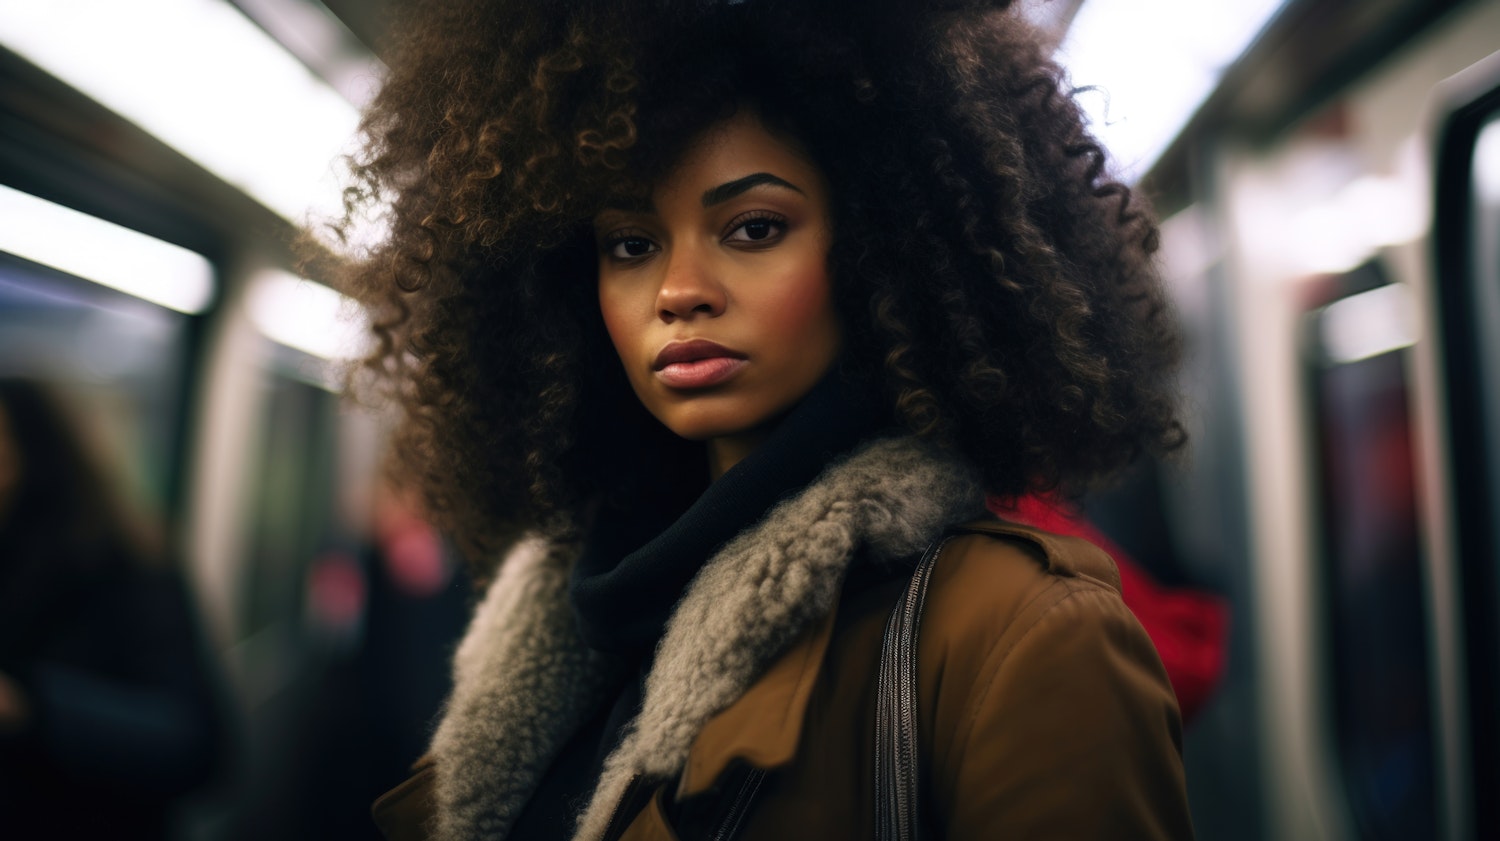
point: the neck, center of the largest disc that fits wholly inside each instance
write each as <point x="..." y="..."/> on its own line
<point x="726" y="452"/>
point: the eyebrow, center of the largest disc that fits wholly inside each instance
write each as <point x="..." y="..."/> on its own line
<point x="725" y="192"/>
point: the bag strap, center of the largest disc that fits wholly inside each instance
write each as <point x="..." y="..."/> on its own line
<point x="897" y="765"/>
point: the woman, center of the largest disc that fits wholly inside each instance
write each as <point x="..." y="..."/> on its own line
<point x="108" y="709"/>
<point x="709" y="320"/>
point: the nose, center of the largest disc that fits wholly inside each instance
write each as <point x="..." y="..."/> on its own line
<point x="690" y="288"/>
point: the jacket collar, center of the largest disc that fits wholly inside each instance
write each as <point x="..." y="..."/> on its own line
<point x="764" y="725"/>
<point x="524" y="679"/>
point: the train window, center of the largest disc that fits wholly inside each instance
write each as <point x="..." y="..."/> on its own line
<point x="117" y="359"/>
<point x="293" y="492"/>
<point x="1371" y="558"/>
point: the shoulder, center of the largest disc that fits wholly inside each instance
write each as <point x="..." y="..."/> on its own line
<point x="1045" y="692"/>
<point x="1019" y="621"/>
<point x="1001" y="591"/>
<point x="1055" y="554"/>
<point x="995" y="578"/>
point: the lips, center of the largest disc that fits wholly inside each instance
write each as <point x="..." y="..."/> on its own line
<point x="697" y="363"/>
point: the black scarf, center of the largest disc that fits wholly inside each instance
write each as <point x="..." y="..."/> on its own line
<point x="637" y="561"/>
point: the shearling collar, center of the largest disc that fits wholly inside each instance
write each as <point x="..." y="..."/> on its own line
<point x="524" y="680"/>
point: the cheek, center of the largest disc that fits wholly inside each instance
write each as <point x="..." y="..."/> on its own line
<point x="614" y="310"/>
<point x="802" y="311"/>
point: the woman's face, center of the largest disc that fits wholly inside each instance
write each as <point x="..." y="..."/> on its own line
<point x="717" y="295"/>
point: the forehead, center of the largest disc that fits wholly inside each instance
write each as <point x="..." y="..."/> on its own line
<point x="724" y="151"/>
<point x="734" y="148"/>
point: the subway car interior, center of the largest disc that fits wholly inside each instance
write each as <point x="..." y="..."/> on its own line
<point x="1327" y="173"/>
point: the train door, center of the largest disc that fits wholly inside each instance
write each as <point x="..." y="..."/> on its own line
<point x="1466" y="300"/>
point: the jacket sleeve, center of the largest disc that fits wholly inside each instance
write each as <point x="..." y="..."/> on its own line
<point x="1071" y="731"/>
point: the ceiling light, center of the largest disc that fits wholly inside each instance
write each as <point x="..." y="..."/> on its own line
<point x="104" y="252"/>
<point x="308" y="316"/>
<point x="1149" y="65"/>
<point x="205" y="80"/>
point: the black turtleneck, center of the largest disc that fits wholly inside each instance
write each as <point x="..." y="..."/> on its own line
<point x="639" y="560"/>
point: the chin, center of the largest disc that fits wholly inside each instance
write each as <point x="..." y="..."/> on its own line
<point x="704" y="423"/>
<point x="703" y="431"/>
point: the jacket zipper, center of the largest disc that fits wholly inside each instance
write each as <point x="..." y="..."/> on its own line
<point x="741" y="806"/>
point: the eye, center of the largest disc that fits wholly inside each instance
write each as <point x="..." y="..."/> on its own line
<point x="628" y="245"/>
<point x="757" y="227"/>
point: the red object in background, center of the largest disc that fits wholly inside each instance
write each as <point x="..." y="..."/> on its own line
<point x="1189" y="627"/>
<point x="409" y="547"/>
<point x="336" y="590"/>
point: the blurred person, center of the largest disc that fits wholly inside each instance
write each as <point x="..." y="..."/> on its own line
<point x="375" y="705"/>
<point x="715" y="326"/>
<point x="108" y="711"/>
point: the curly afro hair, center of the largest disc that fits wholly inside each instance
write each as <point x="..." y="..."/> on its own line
<point x="991" y="279"/>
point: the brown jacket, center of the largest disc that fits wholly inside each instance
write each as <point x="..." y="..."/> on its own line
<point x="1044" y="712"/>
